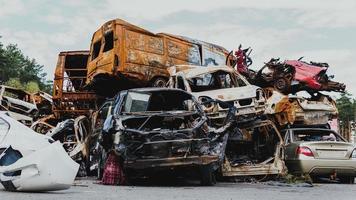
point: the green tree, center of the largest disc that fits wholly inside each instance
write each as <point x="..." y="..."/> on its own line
<point x="15" y="65"/>
<point x="346" y="106"/>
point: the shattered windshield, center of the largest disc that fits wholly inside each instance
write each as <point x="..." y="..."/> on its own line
<point x="158" y="101"/>
<point x="205" y="82"/>
<point x="136" y="102"/>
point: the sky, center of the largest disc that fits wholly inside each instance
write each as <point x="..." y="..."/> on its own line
<point x="319" y="30"/>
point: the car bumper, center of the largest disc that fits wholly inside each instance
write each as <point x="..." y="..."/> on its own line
<point x="170" y="162"/>
<point x="323" y="167"/>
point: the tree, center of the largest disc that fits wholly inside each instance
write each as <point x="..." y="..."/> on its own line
<point x="17" y="69"/>
<point x="346" y="106"/>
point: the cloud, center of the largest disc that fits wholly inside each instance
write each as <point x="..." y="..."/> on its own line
<point x="13" y="7"/>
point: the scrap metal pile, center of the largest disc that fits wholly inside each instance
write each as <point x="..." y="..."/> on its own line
<point x="207" y="115"/>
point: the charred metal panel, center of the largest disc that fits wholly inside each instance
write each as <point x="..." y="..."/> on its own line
<point x="144" y="43"/>
<point x="70" y="99"/>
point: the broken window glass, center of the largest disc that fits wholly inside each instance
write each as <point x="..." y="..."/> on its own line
<point x="109" y="41"/>
<point x="96" y="49"/>
<point x="136" y="102"/>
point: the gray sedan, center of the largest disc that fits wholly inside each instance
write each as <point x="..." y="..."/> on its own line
<point x="320" y="153"/>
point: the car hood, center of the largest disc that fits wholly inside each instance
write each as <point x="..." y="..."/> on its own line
<point x="230" y="94"/>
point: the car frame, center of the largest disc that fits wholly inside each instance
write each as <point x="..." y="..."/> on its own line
<point x="248" y="99"/>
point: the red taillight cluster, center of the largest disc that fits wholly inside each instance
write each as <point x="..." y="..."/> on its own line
<point x="305" y="151"/>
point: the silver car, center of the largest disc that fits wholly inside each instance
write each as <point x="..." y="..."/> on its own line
<point x="320" y="153"/>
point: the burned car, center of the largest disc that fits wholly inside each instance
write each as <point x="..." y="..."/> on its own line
<point x="292" y="76"/>
<point x="19" y="104"/>
<point x="317" y="109"/>
<point x="254" y="149"/>
<point x="162" y="129"/>
<point x="221" y="83"/>
<point x="30" y="161"/>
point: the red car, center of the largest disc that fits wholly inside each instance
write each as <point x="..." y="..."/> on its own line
<point x="295" y="75"/>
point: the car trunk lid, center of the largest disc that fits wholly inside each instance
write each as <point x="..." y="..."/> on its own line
<point x="329" y="150"/>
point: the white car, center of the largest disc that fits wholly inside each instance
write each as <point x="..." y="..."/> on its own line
<point x="30" y="161"/>
<point x="221" y="83"/>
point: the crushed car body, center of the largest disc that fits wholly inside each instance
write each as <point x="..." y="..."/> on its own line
<point x="293" y="109"/>
<point x="221" y="83"/>
<point x="162" y="128"/>
<point x="292" y="76"/>
<point x="254" y="149"/>
<point x="19" y="104"/>
<point x="30" y="161"/>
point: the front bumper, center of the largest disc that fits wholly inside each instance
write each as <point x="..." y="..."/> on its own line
<point x="170" y="162"/>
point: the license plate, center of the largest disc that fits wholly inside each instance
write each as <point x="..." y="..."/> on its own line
<point x="331" y="154"/>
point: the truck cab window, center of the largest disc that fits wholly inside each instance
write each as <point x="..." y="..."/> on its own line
<point x="109" y="41"/>
<point x="96" y="49"/>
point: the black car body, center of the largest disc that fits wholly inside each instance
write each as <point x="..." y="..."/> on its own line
<point x="161" y="128"/>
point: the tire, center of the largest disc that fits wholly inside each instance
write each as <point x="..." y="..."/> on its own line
<point x="347" y="179"/>
<point x="207" y="176"/>
<point x="101" y="164"/>
<point x="159" y="82"/>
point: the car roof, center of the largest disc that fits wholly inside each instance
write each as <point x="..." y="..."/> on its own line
<point x="157" y="89"/>
<point x="191" y="71"/>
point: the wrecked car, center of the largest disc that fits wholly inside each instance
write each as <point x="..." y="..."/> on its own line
<point x="296" y="109"/>
<point x="43" y="103"/>
<point x="254" y="149"/>
<point x="126" y="56"/>
<point x="320" y="153"/>
<point x="154" y="129"/>
<point x="19" y="104"/>
<point x="222" y="83"/>
<point x="292" y="76"/>
<point x="30" y="161"/>
<point x="75" y="135"/>
<point x="70" y="98"/>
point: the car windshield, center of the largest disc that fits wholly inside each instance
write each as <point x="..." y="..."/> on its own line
<point x="316" y="135"/>
<point x="158" y="101"/>
<point x="217" y="80"/>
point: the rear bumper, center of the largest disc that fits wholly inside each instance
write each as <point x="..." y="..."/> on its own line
<point x="170" y="162"/>
<point x="323" y="167"/>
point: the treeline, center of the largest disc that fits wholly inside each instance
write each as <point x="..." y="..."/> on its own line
<point x="20" y="71"/>
<point x="346" y="105"/>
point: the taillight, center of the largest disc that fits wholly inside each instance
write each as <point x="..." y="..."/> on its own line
<point x="353" y="155"/>
<point x="305" y="151"/>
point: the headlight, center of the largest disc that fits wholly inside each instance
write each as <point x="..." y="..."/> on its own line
<point x="353" y="155"/>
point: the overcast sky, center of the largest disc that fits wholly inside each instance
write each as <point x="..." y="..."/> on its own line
<point x="319" y="30"/>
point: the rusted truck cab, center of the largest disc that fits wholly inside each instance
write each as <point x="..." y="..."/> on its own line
<point x="124" y="56"/>
<point x="70" y="98"/>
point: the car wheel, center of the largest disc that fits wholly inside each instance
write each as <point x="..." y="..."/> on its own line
<point x="207" y="175"/>
<point x="347" y="179"/>
<point x="101" y="164"/>
<point x="159" y="82"/>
